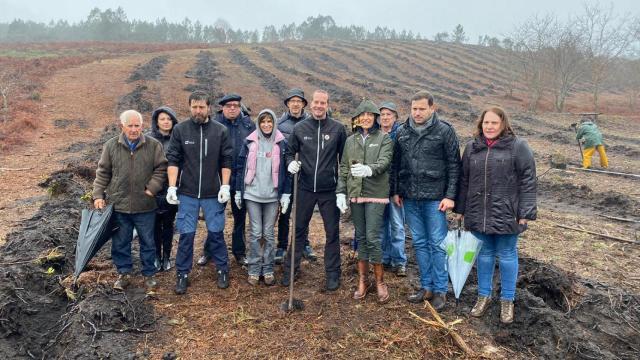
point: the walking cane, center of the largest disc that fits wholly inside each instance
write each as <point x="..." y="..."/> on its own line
<point x="293" y="304"/>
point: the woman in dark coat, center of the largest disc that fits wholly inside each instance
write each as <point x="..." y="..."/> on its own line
<point x="163" y="119"/>
<point x="497" y="198"/>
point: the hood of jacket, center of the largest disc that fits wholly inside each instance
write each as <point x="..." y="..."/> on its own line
<point x="156" y="113"/>
<point x="276" y="136"/>
<point x="365" y="106"/>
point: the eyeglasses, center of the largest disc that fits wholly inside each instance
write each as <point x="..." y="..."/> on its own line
<point x="295" y="101"/>
<point x="231" y="106"/>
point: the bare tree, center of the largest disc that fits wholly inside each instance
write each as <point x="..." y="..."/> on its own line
<point x="530" y="40"/>
<point x="565" y="61"/>
<point x="607" y="36"/>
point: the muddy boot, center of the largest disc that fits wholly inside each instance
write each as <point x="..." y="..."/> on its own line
<point x="506" y="312"/>
<point x="363" y="283"/>
<point x="482" y="304"/>
<point x="381" y="287"/>
<point x="122" y="282"/>
<point x="150" y="285"/>
<point x="439" y="301"/>
<point x="223" y="279"/>
<point x="182" y="281"/>
<point x="166" y="263"/>
<point x="420" y="296"/>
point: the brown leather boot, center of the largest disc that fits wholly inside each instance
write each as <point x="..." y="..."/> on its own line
<point x="363" y="281"/>
<point x="381" y="287"/>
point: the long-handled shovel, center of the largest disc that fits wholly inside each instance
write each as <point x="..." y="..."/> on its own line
<point x="575" y="128"/>
<point x="292" y="304"/>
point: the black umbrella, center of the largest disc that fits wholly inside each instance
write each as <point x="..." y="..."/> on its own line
<point x="95" y="230"/>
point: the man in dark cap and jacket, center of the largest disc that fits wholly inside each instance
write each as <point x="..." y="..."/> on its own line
<point x="295" y="103"/>
<point x="239" y="126"/>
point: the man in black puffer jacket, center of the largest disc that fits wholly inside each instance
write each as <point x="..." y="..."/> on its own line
<point x="319" y="141"/>
<point x="424" y="178"/>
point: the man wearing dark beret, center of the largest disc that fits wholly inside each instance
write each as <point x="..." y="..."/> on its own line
<point x="239" y="126"/>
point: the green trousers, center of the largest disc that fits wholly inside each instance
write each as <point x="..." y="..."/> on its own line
<point x="367" y="220"/>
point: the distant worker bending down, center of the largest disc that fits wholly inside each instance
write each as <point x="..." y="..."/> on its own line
<point x="591" y="138"/>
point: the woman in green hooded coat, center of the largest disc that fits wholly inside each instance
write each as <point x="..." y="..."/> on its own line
<point x="364" y="181"/>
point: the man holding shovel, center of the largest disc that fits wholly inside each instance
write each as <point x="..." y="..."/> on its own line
<point x="590" y="136"/>
<point x="319" y="141"/>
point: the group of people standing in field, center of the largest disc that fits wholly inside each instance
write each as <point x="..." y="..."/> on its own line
<point x="387" y="173"/>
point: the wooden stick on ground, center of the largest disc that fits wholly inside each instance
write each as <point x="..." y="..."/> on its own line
<point x="619" y="218"/>
<point x="457" y="339"/>
<point x="598" y="234"/>
<point x="15" y="169"/>
<point x="605" y="172"/>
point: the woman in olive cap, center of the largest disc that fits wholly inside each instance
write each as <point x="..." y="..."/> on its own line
<point x="364" y="180"/>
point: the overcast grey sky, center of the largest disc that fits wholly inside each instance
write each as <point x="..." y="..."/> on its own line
<point x="478" y="17"/>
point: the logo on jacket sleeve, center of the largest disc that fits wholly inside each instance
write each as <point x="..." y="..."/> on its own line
<point x="189" y="142"/>
<point x="306" y="138"/>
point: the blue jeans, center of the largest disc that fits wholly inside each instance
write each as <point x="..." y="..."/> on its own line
<point x="144" y="223"/>
<point x="504" y="246"/>
<point x="187" y="222"/>
<point x="428" y="227"/>
<point x="393" y="235"/>
<point x="262" y="220"/>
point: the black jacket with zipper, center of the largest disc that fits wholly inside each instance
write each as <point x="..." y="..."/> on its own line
<point x="498" y="186"/>
<point x="426" y="164"/>
<point x="320" y="144"/>
<point x="200" y="151"/>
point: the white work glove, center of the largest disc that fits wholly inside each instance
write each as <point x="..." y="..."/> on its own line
<point x="341" y="202"/>
<point x="224" y="194"/>
<point x="359" y="170"/>
<point x="172" y="197"/>
<point x="285" y="200"/>
<point x="294" y="167"/>
<point x="238" y="199"/>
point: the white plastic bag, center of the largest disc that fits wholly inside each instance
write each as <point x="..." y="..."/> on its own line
<point x="462" y="249"/>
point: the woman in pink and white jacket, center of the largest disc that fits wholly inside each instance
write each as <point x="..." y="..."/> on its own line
<point x="263" y="185"/>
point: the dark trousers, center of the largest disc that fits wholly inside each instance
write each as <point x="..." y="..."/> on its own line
<point x="238" y="247"/>
<point x="283" y="227"/>
<point x="305" y="203"/>
<point x="122" y="238"/>
<point x="164" y="231"/>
